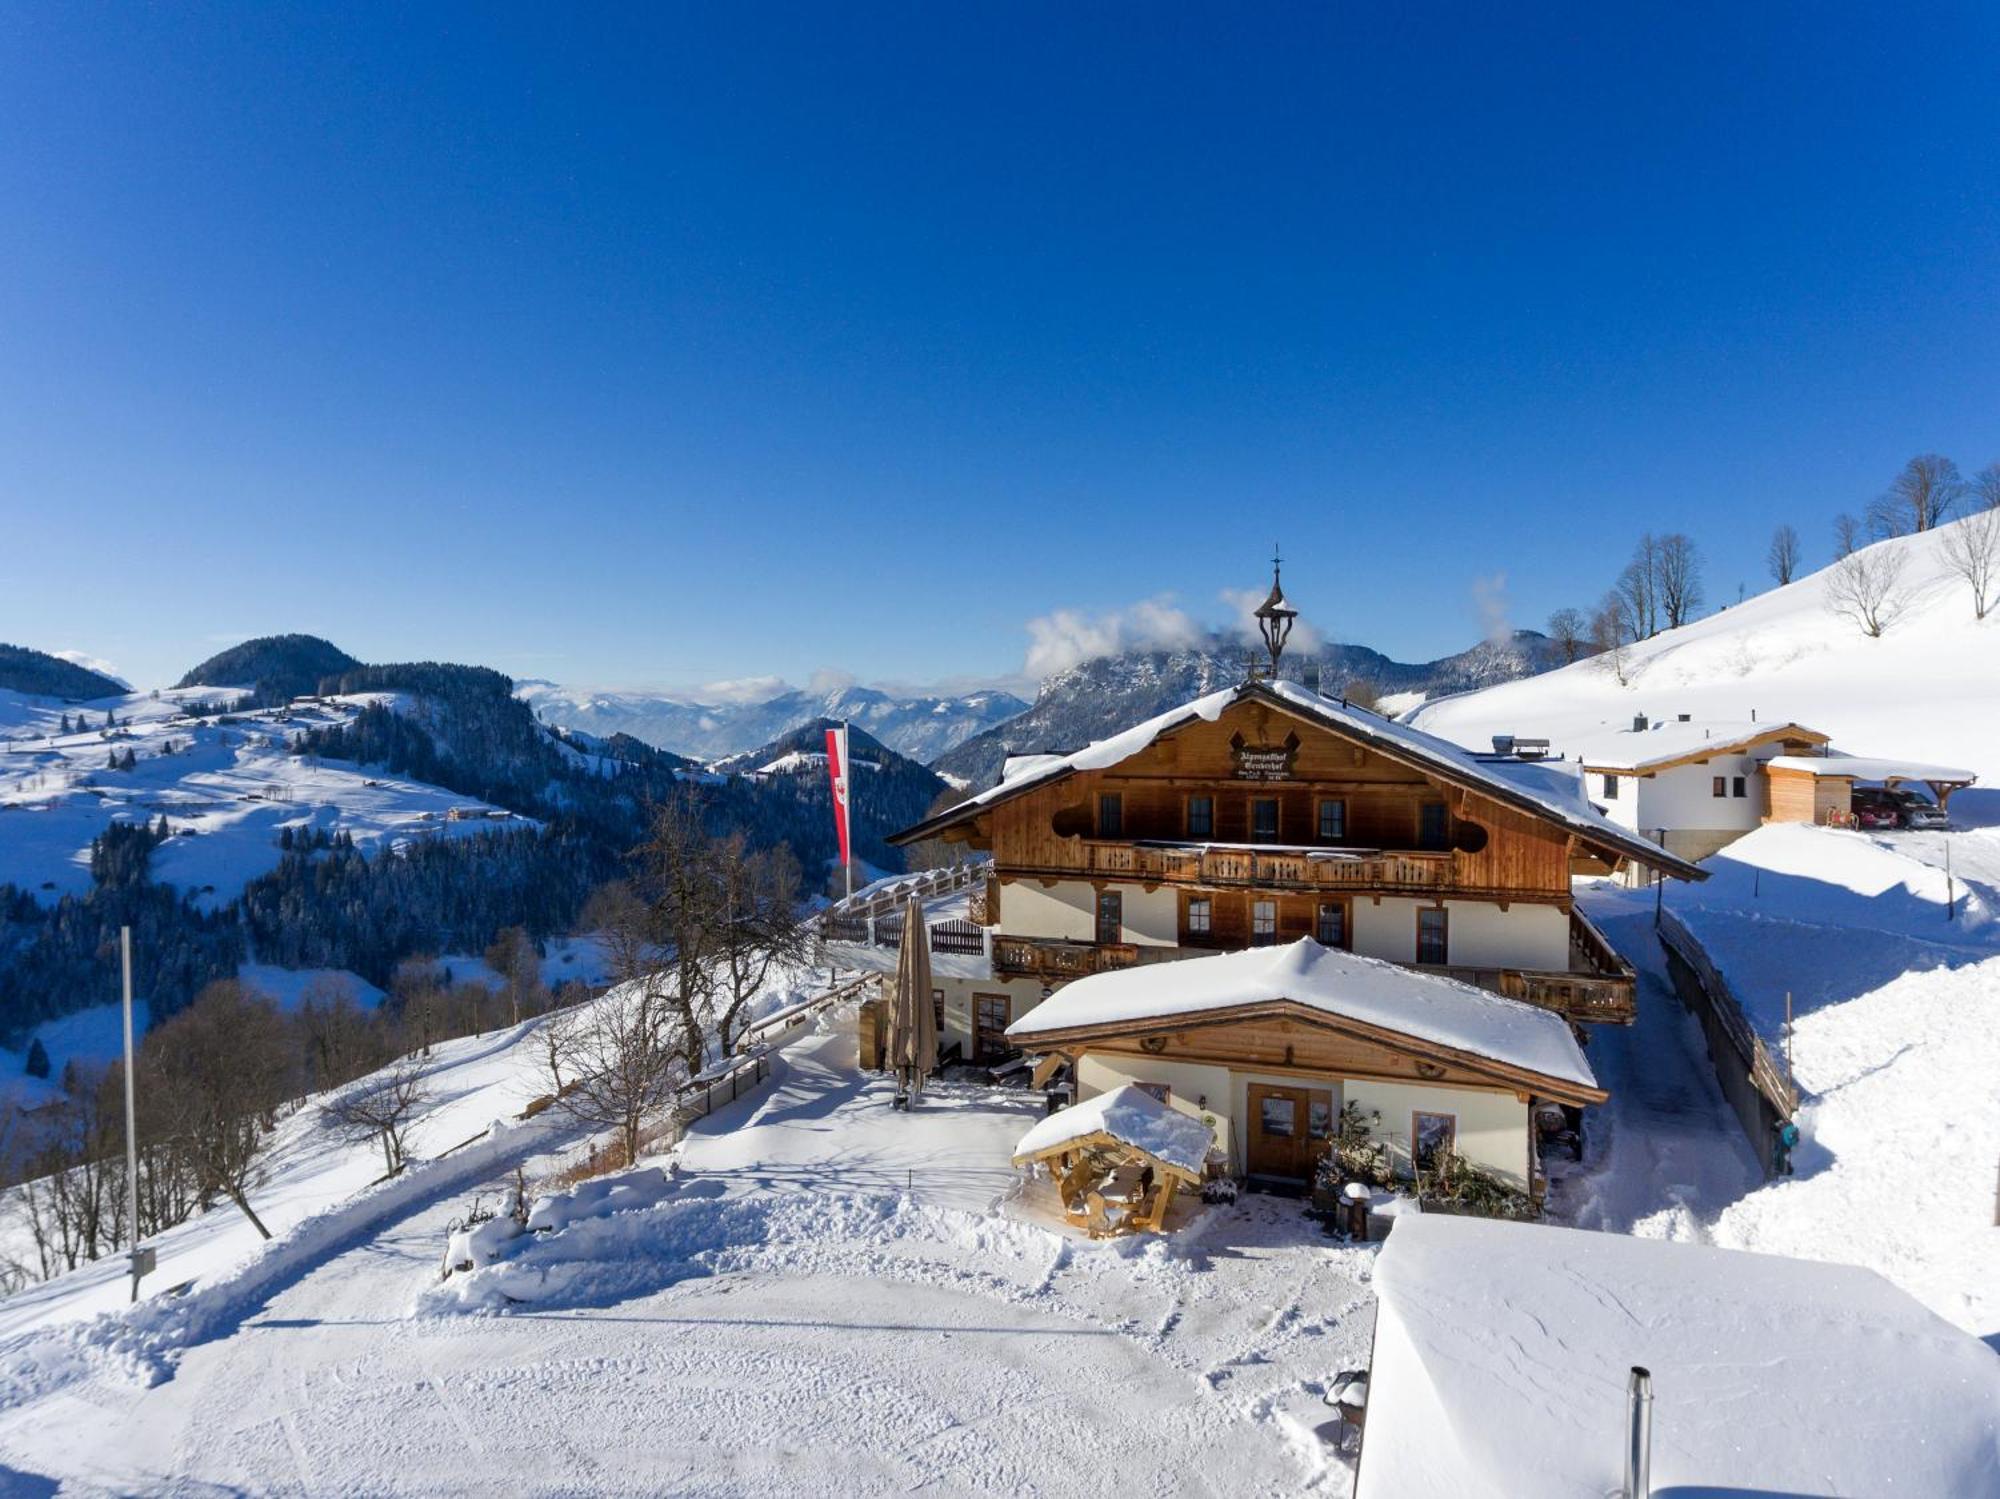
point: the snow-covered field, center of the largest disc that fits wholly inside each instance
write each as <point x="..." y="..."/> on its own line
<point x="837" y="1298"/>
<point x="227" y="790"/>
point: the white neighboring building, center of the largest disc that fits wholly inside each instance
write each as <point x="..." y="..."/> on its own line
<point x="1691" y="785"/>
<point x="1502" y="1353"/>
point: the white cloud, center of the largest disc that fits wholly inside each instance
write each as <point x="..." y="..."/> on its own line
<point x="829" y="679"/>
<point x="1066" y="637"/>
<point x="91" y="663"/>
<point x="1242" y="604"/>
<point x="742" y="690"/>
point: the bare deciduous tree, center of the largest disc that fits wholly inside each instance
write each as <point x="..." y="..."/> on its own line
<point x="1569" y="633"/>
<point x="1611" y="634"/>
<point x="760" y="930"/>
<point x="1866" y="588"/>
<point x="1971" y="549"/>
<point x="383" y="1108"/>
<point x="1846" y="535"/>
<point x="1639" y="585"/>
<point x="1783" y="557"/>
<point x="1677" y="578"/>
<point x="1986" y="486"/>
<point x="514" y="958"/>
<point x="623" y="1056"/>
<point x="685" y="899"/>
<point x="225" y="1063"/>
<point x="1919" y="498"/>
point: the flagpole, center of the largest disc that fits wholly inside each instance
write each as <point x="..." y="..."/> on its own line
<point x="131" y="1112"/>
<point x="847" y="779"/>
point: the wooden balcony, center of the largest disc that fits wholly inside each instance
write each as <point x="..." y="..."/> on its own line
<point x="1598" y="989"/>
<point x="1217" y="866"/>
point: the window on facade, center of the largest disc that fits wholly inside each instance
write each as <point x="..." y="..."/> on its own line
<point x="1263" y="922"/>
<point x="1738" y="788"/>
<point x="1161" y="1091"/>
<point x="1611" y="788"/>
<point x="1200" y="916"/>
<point x="1721" y="785"/>
<point x="1201" y="817"/>
<point x="1432" y="1137"/>
<point x="1433" y="945"/>
<point x="1332" y="821"/>
<point x="1111" y="815"/>
<point x="1110" y="915"/>
<point x="1434" y="826"/>
<point x="1332" y="928"/>
<point x="937" y="1009"/>
<point x="1264" y="819"/>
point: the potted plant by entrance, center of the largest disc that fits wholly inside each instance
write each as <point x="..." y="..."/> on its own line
<point x="1355" y="1156"/>
<point x="1450" y="1184"/>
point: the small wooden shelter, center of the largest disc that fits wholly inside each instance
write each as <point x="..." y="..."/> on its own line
<point x="1116" y="1159"/>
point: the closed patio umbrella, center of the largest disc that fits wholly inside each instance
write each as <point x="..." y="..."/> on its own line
<point x="913" y="1039"/>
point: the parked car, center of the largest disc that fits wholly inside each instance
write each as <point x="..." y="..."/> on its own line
<point x="1917" y="811"/>
<point x="1874" y="810"/>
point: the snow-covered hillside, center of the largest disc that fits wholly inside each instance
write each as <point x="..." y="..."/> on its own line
<point x="228" y="790"/>
<point x="1887" y="943"/>
<point x="1928" y="688"/>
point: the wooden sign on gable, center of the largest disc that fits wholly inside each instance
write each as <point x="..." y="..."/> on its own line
<point x="1263" y="762"/>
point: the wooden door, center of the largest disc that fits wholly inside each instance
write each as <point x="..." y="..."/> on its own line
<point x="1290" y="1129"/>
<point x="991" y="1015"/>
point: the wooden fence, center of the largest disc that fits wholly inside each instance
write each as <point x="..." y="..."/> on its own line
<point x="1751" y="1078"/>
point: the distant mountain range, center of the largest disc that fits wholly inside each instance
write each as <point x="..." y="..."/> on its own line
<point x="917" y="726"/>
<point x="1102" y="696"/>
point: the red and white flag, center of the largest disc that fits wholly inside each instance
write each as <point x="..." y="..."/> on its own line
<point x="836" y="769"/>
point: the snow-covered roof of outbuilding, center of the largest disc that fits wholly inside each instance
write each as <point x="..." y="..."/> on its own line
<point x="1501" y="779"/>
<point x="1502" y="1352"/>
<point x="1684" y="741"/>
<point x="1865" y="768"/>
<point x="1423" y="1006"/>
<point x="1131" y="1116"/>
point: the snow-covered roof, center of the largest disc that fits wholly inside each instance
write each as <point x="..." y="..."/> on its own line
<point x="1502" y="1352"/>
<point x="1863" y="768"/>
<point x="1133" y="1117"/>
<point x="1423" y="1006"/>
<point x="1499" y="779"/>
<point x="1673" y="742"/>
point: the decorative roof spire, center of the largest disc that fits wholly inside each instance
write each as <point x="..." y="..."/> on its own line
<point x="1275" y="617"/>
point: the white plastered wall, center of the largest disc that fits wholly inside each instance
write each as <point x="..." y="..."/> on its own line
<point x="1478" y="933"/>
<point x="1492" y="1126"/>
<point x="1067" y="911"/>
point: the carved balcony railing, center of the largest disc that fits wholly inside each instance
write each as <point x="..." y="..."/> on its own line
<point x="1247" y="866"/>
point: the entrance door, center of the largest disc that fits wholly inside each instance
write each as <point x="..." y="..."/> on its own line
<point x="991" y="1015"/>
<point x="1290" y="1129"/>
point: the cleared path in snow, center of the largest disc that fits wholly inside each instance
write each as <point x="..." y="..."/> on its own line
<point x="1666" y="1153"/>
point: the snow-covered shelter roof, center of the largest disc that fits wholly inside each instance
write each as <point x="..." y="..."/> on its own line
<point x="1864" y="768"/>
<point x="1682" y="742"/>
<point x="1502" y="1352"/>
<point x="1423" y="1006"/>
<point x="1132" y="1117"/>
<point x="1440" y="757"/>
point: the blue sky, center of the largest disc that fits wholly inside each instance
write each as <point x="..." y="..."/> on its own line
<point x="689" y="343"/>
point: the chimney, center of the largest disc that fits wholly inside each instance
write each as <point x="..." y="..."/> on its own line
<point x="1684" y="717"/>
<point x="1639" y="1435"/>
<point x="1638" y="723"/>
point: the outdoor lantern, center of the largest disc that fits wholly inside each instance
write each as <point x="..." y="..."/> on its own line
<point x="1274" y="618"/>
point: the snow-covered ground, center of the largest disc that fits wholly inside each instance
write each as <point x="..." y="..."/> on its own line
<point x="838" y="1298"/>
<point x="227" y="790"/>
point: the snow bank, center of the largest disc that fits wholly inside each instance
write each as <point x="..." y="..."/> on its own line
<point x="1502" y="1352"/>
